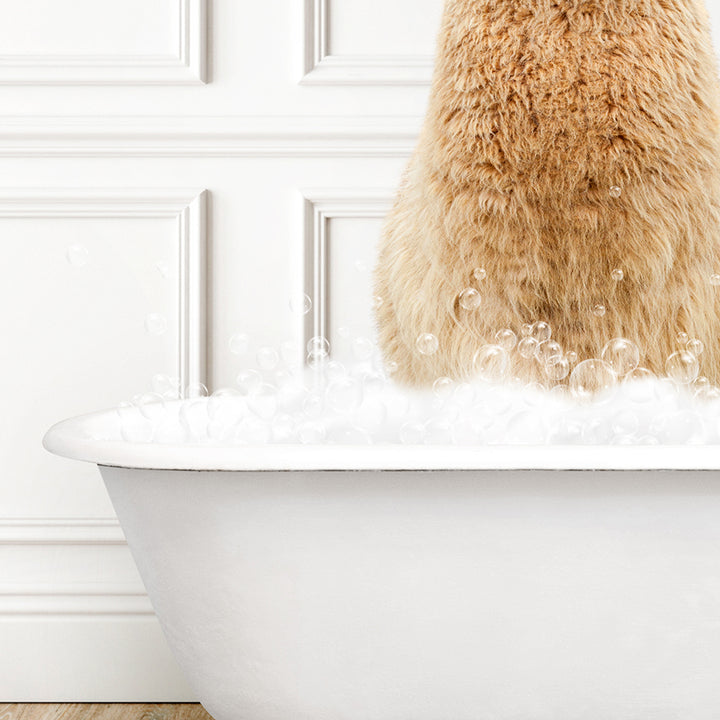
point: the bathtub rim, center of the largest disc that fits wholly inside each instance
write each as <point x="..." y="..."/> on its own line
<point x="72" y="439"/>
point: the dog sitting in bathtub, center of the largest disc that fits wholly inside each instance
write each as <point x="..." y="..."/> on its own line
<point x="569" y="172"/>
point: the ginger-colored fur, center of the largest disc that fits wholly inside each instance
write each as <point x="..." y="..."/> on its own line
<point x="538" y="109"/>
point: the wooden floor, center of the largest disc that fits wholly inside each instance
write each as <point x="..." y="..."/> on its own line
<point x="98" y="711"/>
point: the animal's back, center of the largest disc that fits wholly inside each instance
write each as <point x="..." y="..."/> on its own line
<point x="564" y="140"/>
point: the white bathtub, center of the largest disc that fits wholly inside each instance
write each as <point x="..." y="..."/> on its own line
<point x="399" y="583"/>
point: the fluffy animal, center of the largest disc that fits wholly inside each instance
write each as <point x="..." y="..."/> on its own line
<point x="567" y="143"/>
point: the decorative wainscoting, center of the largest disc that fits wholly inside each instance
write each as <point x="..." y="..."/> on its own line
<point x="324" y="68"/>
<point x="182" y="63"/>
<point x="322" y="206"/>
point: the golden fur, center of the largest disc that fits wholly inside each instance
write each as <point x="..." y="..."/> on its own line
<point x="538" y="109"/>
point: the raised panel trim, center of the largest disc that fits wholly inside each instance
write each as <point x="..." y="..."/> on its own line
<point x="61" y="531"/>
<point x="219" y="136"/>
<point x="186" y="67"/>
<point x="321" y="206"/>
<point x="323" y="68"/>
<point x="188" y="207"/>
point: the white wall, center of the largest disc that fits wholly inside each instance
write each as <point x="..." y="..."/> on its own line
<point x="133" y="134"/>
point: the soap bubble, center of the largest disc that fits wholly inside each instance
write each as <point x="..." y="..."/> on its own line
<point x="313" y="406"/>
<point x="377" y="302"/>
<point x="362" y="348"/>
<point x="195" y="390"/>
<point x="506" y="339"/>
<point x="344" y="395"/>
<point x="391" y="367"/>
<point x="372" y="415"/>
<point x="318" y="347"/>
<point x="557" y="368"/>
<point x="599" y="310"/>
<point x="166" y="386"/>
<point x="442" y="387"/>
<point x="527" y="347"/>
<point x="526" y="330"/>
<point x="546" y="350"/>
<point x="427" y="344"/>
<point x="267" y="358"/>
<point x="239" y="344"/>
<point x="491" y="363"/>
<point x="618" y="275"/>
<point x="682" y="367"/>
<point x="470" y="299"/>
<point x="615" y="191"/>
<point x="682" y="338"/>
<point x="312" y="433"/>
<point x="695" y="346"/>
<point x="541" y="332"/>
<point x="263" y="401"/>
<point x="572" y="357"/>
<point x="248" y="381"/>
<point x="155" y="324"/>
<point x="301" y="305"/>
<point x="622" y="355"/>
<point x="412" y="433"/>
<point x="77" y="255"/>
<point x="591" y="377"/>
<point x="317" y="362"/>
<point x="638" y="385"/>
<point x="438" y="431"/>
<point x="335" y="370"/>
<point x="479" y="274"/>
<point x="151" y="405"/>
<point x="715" y="279"/>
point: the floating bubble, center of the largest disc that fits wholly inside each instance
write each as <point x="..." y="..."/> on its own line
<point x="615" y="191"/>
<point x="391" y="367"/>
<point x="335" y="370"/>
<point x="479" y="274"/>
<point x="599" y="310"/>
<point x="248" y="381"/>
<point x="155" y="324"/>
<point x="682" y="367"/>
<point x="313" y="406"/>
<point x="344" y="395"/>
<point x="470" y="299"/>
<point x="166" y="386"/>
<point x="267" y="358"/>
<point x="318" y="346"/>
<point x="151" y="405"/>
<point x="590" y="378"/>
<point x="527" y="347"/>
<point x="541" y="332"/>
<point x="715" y="279"/>
<point x="622" y="355"/>
<point x="427" y="344"/>
<point x="362" y="348"/>
<point x="557" y="368"/>
<point x="412" y="433"/>
<point x="301" y="305"/>
<point x="239" y="344"/>
<point x="263" y="401"/>
<point x="491" y="363"/>
<point x="317" y="362"/>
<point x="377" y="302"/>
<point x="571" y="357"/>
<point x="77" y="255"/>
<point x="526" y="330"/>
<point x="695" y="346"/>
<point x="312" y="433"/>
<point x="682" y="338"/>
<point x="618" y="275"/>
<point x="506" y="339"/>
<point x="442" y="387"/>
<point x="547" y="350"/>
<point x="196" y="390"/>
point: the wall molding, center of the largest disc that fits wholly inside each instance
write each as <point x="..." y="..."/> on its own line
<point x="61" y="531"/>
<point x="323" y="68"/>
<point x="321" y="206"/>
<point x="186" y="67"/>
<point x="220" y="136"/>
<point x="188" y="207"/>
